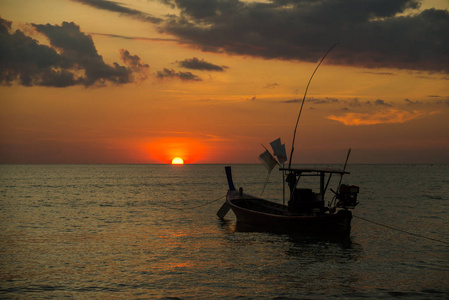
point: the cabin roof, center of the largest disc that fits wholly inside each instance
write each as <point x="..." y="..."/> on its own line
<point x="312" y="170"/>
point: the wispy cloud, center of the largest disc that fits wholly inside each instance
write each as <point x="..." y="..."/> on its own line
<point x="271" y="85"/>
<point x="137" y="38"/>
<point x="389" y="116"/>
<point x="381" y="73"/>
<point x="326" y="100"/>
<point x="170" y="73"/>
<point x="118" y="8"/>
<point x="410" y="102"/>
<point x="202" y="65"/>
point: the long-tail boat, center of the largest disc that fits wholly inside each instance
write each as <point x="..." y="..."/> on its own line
<point x="305" y="212"/>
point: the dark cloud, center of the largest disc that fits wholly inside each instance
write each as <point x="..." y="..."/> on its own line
<point x="326" y="100"/>
<point x="292" y="101"/>
<point x="136" y="38"/>
<point x="170" y="73"/>
<point x="381" y="73"/>
<point x="139" y="69"/>
<point x="196" y="64"/>
<point x="381" y="102"/>
<point x="373" y="33"/>
<point x="71" y="59"/>
<point x="24" y="59"/>
<point x="116" y="7"/>
<point x="271" y="85"/>
<point x="5" y="26"/>
<point x="410" y="102"/>
<point x="355" y="102"/>
<point x="313" y="100"/>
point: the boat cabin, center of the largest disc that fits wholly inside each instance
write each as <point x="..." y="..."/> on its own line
<point x="304" y="201"/>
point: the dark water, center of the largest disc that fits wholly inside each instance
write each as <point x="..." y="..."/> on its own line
<point x="131" y="231"/>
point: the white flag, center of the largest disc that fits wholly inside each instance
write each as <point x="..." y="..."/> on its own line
<point x="268" y="160"/>
<point x="279" y="150"/>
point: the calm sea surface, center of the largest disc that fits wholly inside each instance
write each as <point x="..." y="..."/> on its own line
<point x="150" y="232"/>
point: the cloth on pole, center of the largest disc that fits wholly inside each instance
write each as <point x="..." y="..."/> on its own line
<point x="268" y="160"/>
<point x="279" y="150"/>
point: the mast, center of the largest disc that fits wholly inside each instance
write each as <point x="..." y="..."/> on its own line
<point x="302" y="104"/>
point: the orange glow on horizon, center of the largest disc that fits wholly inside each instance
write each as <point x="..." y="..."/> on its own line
<point x="166" y="150"/>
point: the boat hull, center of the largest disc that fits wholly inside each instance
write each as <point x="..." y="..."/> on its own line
<point x="260" y="214"/>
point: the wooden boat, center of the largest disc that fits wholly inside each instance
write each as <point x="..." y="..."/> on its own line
<point x="305" y="214"/>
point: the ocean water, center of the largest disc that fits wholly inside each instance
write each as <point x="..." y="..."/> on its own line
<point x="150" y="232"/>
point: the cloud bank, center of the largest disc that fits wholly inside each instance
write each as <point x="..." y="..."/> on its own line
<point x="373" y="33"/>
<point x="71" y="59"/>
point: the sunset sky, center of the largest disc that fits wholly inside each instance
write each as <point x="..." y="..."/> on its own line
<point x="209" y="81"/>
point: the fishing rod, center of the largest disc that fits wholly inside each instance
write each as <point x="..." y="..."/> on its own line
<point x="302" y="104"/>
<point x="341" y="178"/>
<point x="346" y="163"/>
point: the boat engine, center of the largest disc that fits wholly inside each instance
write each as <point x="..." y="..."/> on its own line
<point x="347" y="196"/>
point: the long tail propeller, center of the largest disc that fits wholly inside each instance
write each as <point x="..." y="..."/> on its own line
<point x="221" y="213"/>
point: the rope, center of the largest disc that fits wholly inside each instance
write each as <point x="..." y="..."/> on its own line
<point x="192" y="207"/>
<point x="401" y="230"/>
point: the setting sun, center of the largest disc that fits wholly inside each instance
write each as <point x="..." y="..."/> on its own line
<point x="177" y="161"/>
